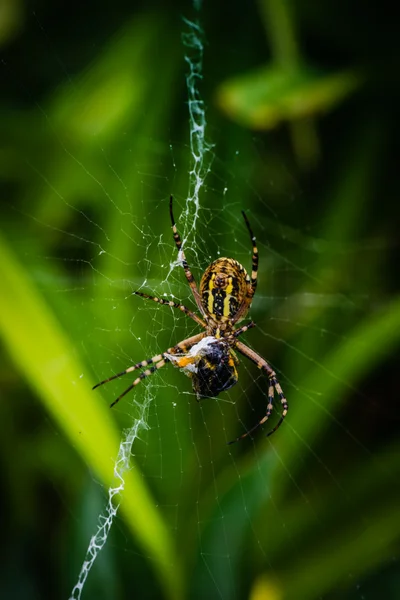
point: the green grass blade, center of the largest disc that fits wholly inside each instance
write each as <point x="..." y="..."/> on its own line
<point x="364" y="348"/>
<point x="46" y="358"/>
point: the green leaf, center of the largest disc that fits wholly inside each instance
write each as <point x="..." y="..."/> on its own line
<point x="264" y="98"/>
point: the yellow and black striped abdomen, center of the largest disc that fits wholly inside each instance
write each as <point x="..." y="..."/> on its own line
<point x="223" y="287"/>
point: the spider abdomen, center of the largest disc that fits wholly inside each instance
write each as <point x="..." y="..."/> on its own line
<point x="223" y="287"/>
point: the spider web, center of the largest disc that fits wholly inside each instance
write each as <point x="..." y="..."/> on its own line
<point x="178" y="445"/>
<point x="200" y="167"/>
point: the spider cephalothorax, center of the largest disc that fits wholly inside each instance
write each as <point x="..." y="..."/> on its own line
<point x="208" y="358"/>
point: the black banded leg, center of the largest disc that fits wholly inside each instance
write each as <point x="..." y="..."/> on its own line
<point x="251" y="281"/>
<point x="183" y="346"/>
<point x="186" y="268"/>
<point x="185" y="310"/>
<point x="276" y="386"/>
<point x="254" y="268"/>
<point x="139" y="365"/>
<point x="240" y="330"/>
<point x="262" y="421"/>
<point x="243" y="328"/>
<point x="142" y="376"/>
<point x="273" y="387"/>
<point x="186" y="345"/>
<point x="158" y="361"/>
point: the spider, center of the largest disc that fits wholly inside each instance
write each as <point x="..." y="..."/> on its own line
<point x="208" y="358"/>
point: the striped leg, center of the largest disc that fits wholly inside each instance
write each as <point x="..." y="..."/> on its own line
<point x="186" y="345"/>
<point x="243" y="328"/>
<point x="273" y="387"/>
<point x="254" y="268"/>
<point x="157" y="361"/>
<point x="185" y="310"/>
<point x="138" y="379"/>
<point x="251" y="281"/>
<point x="139" y="365"/>
<point x="185" y="265"/>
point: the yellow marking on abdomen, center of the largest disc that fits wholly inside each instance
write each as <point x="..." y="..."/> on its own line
<point x="229" y="289"/>
<point x="211" y="286"/>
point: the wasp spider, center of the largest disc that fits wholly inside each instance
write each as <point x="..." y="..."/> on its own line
<point x="208" y="358"/>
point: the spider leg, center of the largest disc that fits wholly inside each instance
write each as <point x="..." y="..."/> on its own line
<point x="185" y="310"/>
<point x="157" y="361"/>
<point x="254" y="269"/>
<point x="185" y="345"/>
<point x="185" y="265"/>
<point x="139" y="365"/>
<point x="142" y="375"/>
<point x="251" y="281"/>
<point x="242" y="329"/>
<point x="232" y="338"/>
<point x="274" y="386"/>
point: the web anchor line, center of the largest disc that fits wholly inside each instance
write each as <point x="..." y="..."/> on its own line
<point x="99" y="539"/>
<point x="200" y="148"/>
<point x="201" y="165"/>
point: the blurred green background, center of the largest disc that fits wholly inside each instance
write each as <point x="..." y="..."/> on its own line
<point x="302" y="106"/>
